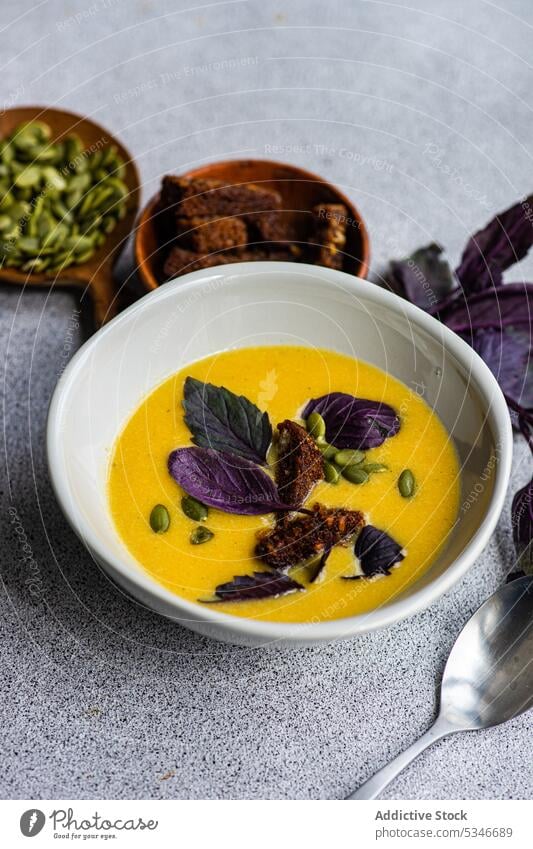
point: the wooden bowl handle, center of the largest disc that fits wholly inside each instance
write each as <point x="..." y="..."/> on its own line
<point x="104" y="294"/>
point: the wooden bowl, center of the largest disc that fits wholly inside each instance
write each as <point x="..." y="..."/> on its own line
<point x="95" y="274"/>
<point x="300" y="191"/>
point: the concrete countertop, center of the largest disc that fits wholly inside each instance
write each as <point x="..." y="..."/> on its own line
<point x="423" y="116"/>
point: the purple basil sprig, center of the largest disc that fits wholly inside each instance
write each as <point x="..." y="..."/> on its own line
<point x="494" y="317"/>
<point x="251" y="587"/>
<point x="354" y="422"/>
<point x="229" y="483"/>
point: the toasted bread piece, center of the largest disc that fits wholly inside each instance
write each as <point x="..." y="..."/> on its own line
<point x="275" y="225"/>
<point x="299" y="466"/>
<point x="204" y="197"/>
<point x="329" y="235"/>
<point x="205" y="235"/>
<point x="181" y="260"/>
<point x="296" y="540"/>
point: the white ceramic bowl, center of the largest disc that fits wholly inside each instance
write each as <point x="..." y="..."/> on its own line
<point x="265" y="304"/>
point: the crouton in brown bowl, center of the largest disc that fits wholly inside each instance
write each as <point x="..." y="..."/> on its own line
<point x="245" y="210"/>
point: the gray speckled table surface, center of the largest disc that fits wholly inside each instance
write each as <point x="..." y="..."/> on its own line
<point x="423" y="115"/>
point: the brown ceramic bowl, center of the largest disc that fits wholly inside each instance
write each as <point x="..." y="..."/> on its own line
<point x="299" y="189"/>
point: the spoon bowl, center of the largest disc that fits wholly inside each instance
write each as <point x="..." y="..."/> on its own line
<point x="97" y="273"/>
<point x="488" y="678"/>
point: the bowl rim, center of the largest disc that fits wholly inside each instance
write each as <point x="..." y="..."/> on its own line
<point x="497" y="418"/>
<point x="142" y="261"/>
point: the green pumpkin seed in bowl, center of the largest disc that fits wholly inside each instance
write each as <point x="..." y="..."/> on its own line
<point x="58" y="201"/>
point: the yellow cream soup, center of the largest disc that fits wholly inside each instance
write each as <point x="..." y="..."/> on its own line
<point x="280" y="379"/>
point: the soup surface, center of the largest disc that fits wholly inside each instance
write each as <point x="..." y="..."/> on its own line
<point x="280" y="380"/>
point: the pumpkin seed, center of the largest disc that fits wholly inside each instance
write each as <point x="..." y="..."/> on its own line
<point x="45" y="223"/>
<point x="159" y="519"/>
<point x="20" y="209"/>
<point x="327" y="451"/>
<point x="109" y="155"/>
<point x="355" y="474"/>
<point x="99" y="239"/>
<point x="120" y="170"/>
<point x="29" y="177"/>
<point x="92" y="223"/>
<point x="370" y="468"/>
<point x="108" y="224"/>
<point x="56" y="236"/>
<point x="73" y="148"/>
<point x="5" y="222"/>
<point x="11" y="235"/>
<point x="349" y="457"/>
<point x="7" y="200"/>
<point x="84" y="257"/>
<point x="25" y="193"/>
<point x="316" y="426"/>
<point x="36" y="264"/>
<point x="95" y="159"/>
<point x="79" y="183"/>
<point x="200" y="535"/>
<point x="30" y="134"/>
<point x="51" y="154"/>
<point x="100" y="175"/>
<point x="7" y="152"/>
<point x="60" y="211"/>
<point x="81" y="164"/>
<point x="331" y="472"/>
<point x="28" y="245"/>
<point x="52" y="178"/>
<point x="406" y="484"/>
<point x="194" y="509"/>
<point x="120" y="188"/>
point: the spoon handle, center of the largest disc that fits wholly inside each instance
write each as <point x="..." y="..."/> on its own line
<point x="104" y="294"/>
<point x="373" y="787"/>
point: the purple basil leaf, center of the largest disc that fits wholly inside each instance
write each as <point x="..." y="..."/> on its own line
<point x="258" y="585"/>
<point x="354" y="422"/>
<point x="219" y="419"/>
<point x="511" y="304"/>
<point x="376" y="551"/>
<point x="497" y="323"/>
<point x="319" y="567"/>
<point x="423" y="278"/>
<point x="508" y="354"/>
<point x="229" y="483"/>
<point x="522" y="523"/>
<point x="505" y="240"/>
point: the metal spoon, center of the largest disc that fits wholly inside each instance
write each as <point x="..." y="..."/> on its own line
<point x="488" y="678"/>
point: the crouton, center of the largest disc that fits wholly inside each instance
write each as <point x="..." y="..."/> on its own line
<point x="297" y="540"/>
<point x="299" y="465"/>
